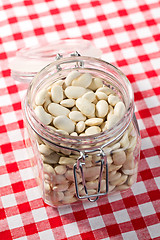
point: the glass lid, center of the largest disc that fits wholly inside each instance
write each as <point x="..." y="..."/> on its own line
<point x="29" y="61"/>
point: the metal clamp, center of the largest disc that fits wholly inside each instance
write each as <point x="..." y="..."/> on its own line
<point x="79" y="166"/>
<point x="79" y="63"/>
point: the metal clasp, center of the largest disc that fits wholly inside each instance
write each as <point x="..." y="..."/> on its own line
<point x="79" y="166"/>
<point x="79" y="63"/>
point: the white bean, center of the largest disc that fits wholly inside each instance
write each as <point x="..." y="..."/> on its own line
<point x="132" y="179"/>
<point x="113" y="99"/>
<point x="41" y="97"/>
<point x="57" y="196"/>
<point x="119" y="157"/>
<point x="119" y="181"/>
<point x="90" y="96"/>
<point x="113" y="176"/>
<point x="60" y="169"/>
<point x="42" y="115"/>
<point x="56" y="93"/>
<point x="69" y="199"/>
<point x="113" y="167"/>
<point x="119" y="109"/>
<point x="101" y="108"/>
<point x="77" y="116"/>
<point x="74" y="134"/>
<point x="92" y="130"/>
<point x="105" y="89"/>
<point x="74" y="91"/>
<point x="94" y="121"/>
<point x="60" y="179"/>
<point x="47" y="187"/>
<point x="57" y="110"/>
<point x="124" y="142"/>
<point x="122" y="187"/>
<point x="72" y="75"/>
<point x="48" y="169"/>
<point x="64" y="123"/>
<point x="68" y="103"/>
<point x="80" y="126"/>
<point x="44" y="149"/>
<point x="62" y="132"/>
<point x="86" y="107"/>
<point x="101" y="96"/>
<point x="67" y="161"/>
<point x="62" y="187"/>
<point x="95" y="84"/>
<point x="112" y="120"/>
<point x="111" y="188"/>
<point x="51" y="159"/>
<point x="91" y="172"/>
<point x="84" y="80"/>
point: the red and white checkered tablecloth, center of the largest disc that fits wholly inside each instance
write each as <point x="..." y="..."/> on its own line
<point x="128" y="33"/>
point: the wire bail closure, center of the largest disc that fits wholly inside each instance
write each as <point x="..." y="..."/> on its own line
<point x="79" y="63"/>
<point x="79" y="166"/>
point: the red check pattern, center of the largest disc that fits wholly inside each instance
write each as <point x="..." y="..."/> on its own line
<point x="128" y="33"/>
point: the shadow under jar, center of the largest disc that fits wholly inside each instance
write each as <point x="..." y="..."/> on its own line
<point x="72" y="167"/>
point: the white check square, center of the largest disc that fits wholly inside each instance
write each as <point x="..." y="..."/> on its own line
<point x="33" y="193"/>
<point x="151" y="47"/>
<point x="137" y="17"/>
<point x="144" y="85"/>
<point x="20" y="11"/>
<point x="15" y="135"/>
<point x="71" y="229"/>
<point x="47" y="234"/>
<point x="129" y="53"/>
<point x="139" y="188"/>
<point x="26" y="174"/>
<point x="152" y="102"/>
<point x="141" y="124"/>
<point x="41" y="7"/>
<point x="25" y="25"/>
<point x="122" y="216"/>
<point x="96" y="222"/>
<point x="143" y="32"/>
<point x="14" y="221"/>
<point x="88" y="13"/>
<point x="122" y="37"/>
<point x="39" y="214"/>
<point x="8" y="200"/>
<point x="154" y="230"/>
<point x="9" y="117"/>
<point x="147" y="209"/>
<point x="73" y="32"/>
<point x="157" y="180"/>
<point x="146" y="143"/>
<point x="4" y="180"/>
<point x="114" y="197"/>
<point x="136" y="68"/>
<point x="153" y="162"/>
<point x="94" y="27"/>
<point x="65" y="209"/>
<point x="87" y="204"/>
<point x="115" y="22"/>
<point x="67" y="17"/>
<point x="130" y="236"/>
<point x="21" y="154"/>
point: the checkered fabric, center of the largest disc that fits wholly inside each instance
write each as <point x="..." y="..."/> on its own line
<point x="128" y="33"/>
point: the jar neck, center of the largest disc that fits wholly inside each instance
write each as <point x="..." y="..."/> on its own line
<point x="112" y="77"/>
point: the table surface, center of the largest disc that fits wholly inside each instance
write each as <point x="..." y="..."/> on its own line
<point x="128" y="33"/>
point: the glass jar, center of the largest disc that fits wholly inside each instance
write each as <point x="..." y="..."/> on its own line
<point x="72" y="168"/>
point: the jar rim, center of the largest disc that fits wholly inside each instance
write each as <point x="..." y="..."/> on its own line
<point x="51" y="135"/>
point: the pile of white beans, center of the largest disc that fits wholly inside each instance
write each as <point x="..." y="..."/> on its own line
<point x="81" y="105"/>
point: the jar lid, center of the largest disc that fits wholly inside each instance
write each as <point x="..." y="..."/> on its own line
<point x="29" y="61"/>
